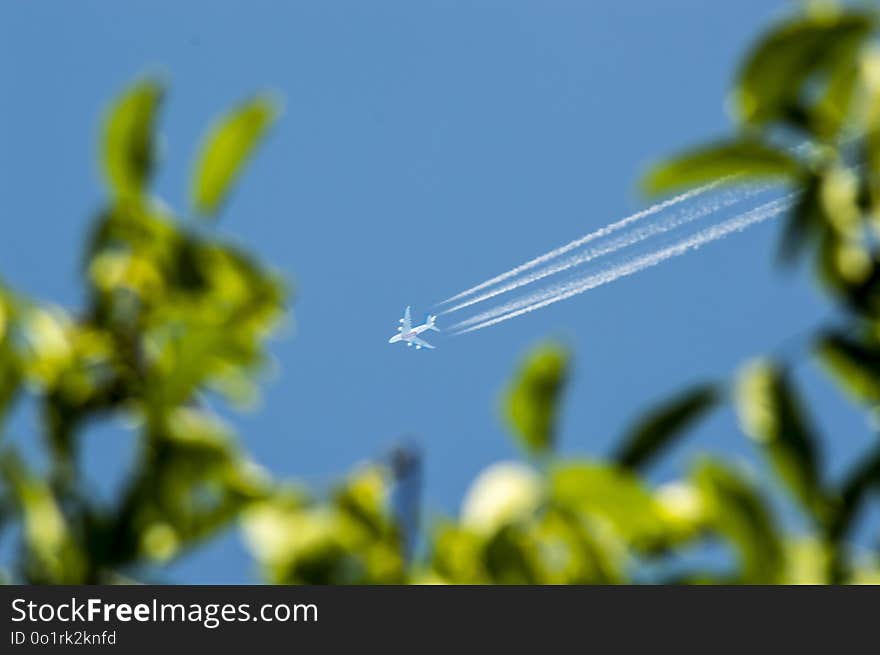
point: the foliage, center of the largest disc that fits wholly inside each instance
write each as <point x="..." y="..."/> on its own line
<point x="174" y="314"/>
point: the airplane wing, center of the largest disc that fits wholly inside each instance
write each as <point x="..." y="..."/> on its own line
<point x="406" y="321"/>
<point x="421" y="343"/>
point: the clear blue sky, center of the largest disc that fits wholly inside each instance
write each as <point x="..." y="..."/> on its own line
<point x="424" y="147"/>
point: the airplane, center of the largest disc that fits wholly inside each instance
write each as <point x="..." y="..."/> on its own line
<point x="409" y="334"/>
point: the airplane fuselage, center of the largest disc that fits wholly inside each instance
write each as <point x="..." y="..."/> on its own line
<point x="409" y="334"/>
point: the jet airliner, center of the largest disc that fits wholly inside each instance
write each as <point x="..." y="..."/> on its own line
<point x="410" y="335"/>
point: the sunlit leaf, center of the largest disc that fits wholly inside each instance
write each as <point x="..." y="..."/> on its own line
<point x="771" y="414"/>
<point x="611" y="495"/>
<point x="456" y="554"/>
<point x="51" y="554"/>
<point x="772" y="81"/>
<point x="129" y="154"/>
<point x="660" y="427"/>
<point x="225" y="150"/>
<point x="739" y="514"/>
<point x="504" y="493"/>
<point x="301" y="542"/>
<point x="564" y="552"/>
<point x="732" y="161"/>
<point x="531" y="403"/>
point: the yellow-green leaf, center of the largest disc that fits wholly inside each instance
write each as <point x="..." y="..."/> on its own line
<point x="531" y="403"/>
<point x="129" y="148"/>
<point x="226" y="148"/>
<point x="731" y="161"/>
<point x="772" y="82"/>
<point x="610" y="494"/>
<point x="737" y="512"/>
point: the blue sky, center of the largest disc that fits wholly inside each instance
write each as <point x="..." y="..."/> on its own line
<point x="425" y="146"/>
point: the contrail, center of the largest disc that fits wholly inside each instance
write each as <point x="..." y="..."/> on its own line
<point x="608" y="229"/>
<point x="633" y="237"/>
<point x="562" y="291"/>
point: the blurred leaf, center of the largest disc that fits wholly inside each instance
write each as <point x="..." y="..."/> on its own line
<point x="51" y="556"/>
<point x="510" y="559"/>
<point x="826" y="214"/>
<point x="740" y="515"/>
<point x="807" y="562"/>
<point x="225" y="150"/>
<point x="531" y="403"/>
<point x="864" y="476"/>
<point x="771" y="414"/>
<point x="831" y="110"/>
<point x="657" y="429"/>
<point x="456" y="555"/>
<point x="805" y="221"/>
<point x="613" y="496"/>
<point x="10" y="367"/>
<point x="870" y="153"/>
<point x="856" y="365"/>
<point x="738" y="161"/>
<point x="129" y="149"/>
<point x="772" y="82"/>
<point x="302" y="542"/>
<point x="363" y="497"/>
<point x="502" y="494"/>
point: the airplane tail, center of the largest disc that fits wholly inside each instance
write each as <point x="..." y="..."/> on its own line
<point x="430" y="320"/>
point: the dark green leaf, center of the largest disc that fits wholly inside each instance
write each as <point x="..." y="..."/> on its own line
<point x="854" y="490"/>
<point x="225" y="150"/>
<point x="740" y="514"/>
<point x="531" y="403"/>
<point x="661" y="426"/>
<point x="805" y="222"/>
<point x="856" y="365"/>
<point x="770" y="413"/>
<point x="732" y="161"/>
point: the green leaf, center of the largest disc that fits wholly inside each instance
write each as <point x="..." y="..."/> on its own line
<point x="610" y="494"/>
<point x="508" y="558"/>
<point x="531" y="403"/>
<point x="855" y="365"/>
<point x="805" y="222"/>
<point x="740" y="514"/>
<point x="226" y="148"/>
<point x="772" y="415"/>
<point x="661" y="426"/>
<point x="129" y="149"/>
<point x="864" y="476"/>
<point x="831" y="110"/>
<point x="737" y="161"/>
<point x="51" y="553"/>
<point x="10" y="367"/>
<point x="773" y="81"/>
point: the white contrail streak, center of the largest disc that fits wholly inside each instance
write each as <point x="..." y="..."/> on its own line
<point x="561" y="292"/>
<point x="630" y="238"/>
<point x="608" y="229"/>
